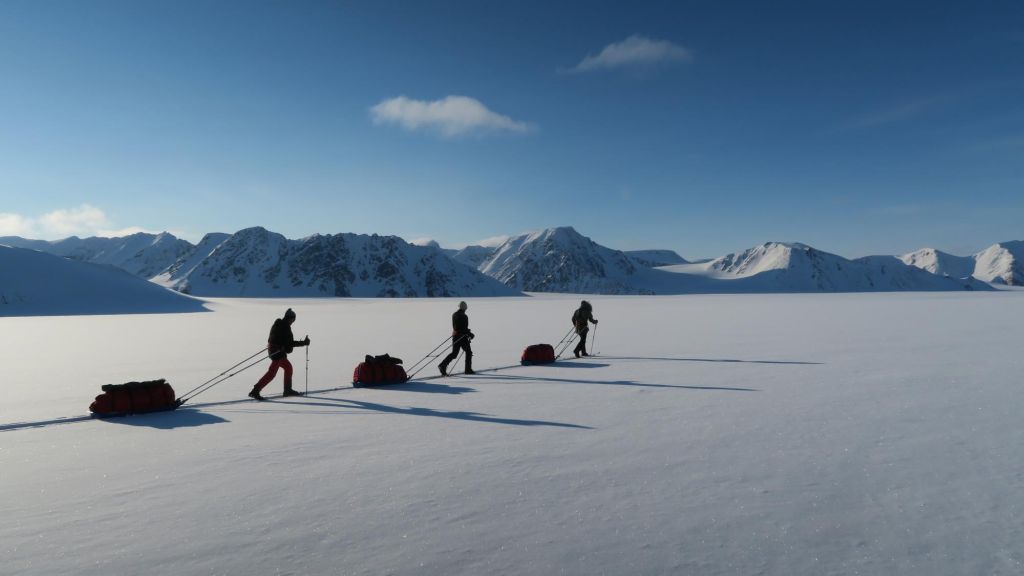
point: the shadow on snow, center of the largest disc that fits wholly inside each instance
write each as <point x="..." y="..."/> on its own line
<point x="728" y="360"/>
<point x="618" y="383"/>
<point x="164" y="420"/>
<point x="343" y="403"/>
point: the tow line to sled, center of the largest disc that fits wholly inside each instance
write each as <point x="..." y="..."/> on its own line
<point x="157" y="395"/>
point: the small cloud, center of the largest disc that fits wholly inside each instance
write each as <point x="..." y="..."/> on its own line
<point x="15" y="225"/>
<point x="85" y="220"/>
<point x="450" y="116"/>
<point x="904" y="112"/>
<point x="633" y="52"/>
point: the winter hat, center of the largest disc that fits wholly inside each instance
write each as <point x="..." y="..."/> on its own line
<point x="585" y="305"/>
<point x="289" y="313"/>
<point x="463" y="305"/>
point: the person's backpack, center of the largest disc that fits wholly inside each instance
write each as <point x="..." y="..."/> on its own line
<point x="576" y="318"/>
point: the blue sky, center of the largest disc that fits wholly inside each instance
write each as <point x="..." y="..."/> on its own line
<point x="704" y="127"/>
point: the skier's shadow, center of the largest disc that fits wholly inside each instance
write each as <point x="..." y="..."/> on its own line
<point x="426" y="387"/>
<point x="340" y="403"/>
<point x="619" y="383"/>
<point x="724" y="360"/>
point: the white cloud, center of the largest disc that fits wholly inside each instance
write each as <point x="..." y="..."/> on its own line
<point x="450" y="116"/>
<point x="61" y="223"/>
<point x="14" y="225"/>
<point x="635" y="51"/>
<point x="85" y="220"/>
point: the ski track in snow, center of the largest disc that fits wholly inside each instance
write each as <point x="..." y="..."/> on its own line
<point x="722" y="434"/>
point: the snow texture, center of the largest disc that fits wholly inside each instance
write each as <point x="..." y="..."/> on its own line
<point x="941" y="263"/>
<point x="34" y="283"/>
<point x="1001" y="263"/>
<point x="473" y="256"/>
<point x="782" y="435"/>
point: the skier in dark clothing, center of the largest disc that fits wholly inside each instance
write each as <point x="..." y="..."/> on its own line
<point x="580" y="318"/>
<point x="279" y="345"/>
<point x="461" y="336"/>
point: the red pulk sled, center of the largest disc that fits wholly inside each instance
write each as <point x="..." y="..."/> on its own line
<point x="379" y="371"/>
<point x="538" y="354"/>
<point x="134" y="398"/>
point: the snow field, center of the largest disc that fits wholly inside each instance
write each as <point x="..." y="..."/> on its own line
<point x="753" y="434"/>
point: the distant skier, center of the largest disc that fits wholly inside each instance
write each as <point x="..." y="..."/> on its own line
<point x="279" y="345"/>
<point x="580" y="318"/>
<point x="461" y="336"/>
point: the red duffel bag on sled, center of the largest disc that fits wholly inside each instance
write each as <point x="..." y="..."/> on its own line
<point x="134" y="398"/>
<point x="538" y="354"/>
<point x="379" y="371"/>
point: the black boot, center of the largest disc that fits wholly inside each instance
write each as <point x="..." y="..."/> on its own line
<point x="443" y="369"/>
<point x="255" y="395"/>
<point x="291" y="392"/>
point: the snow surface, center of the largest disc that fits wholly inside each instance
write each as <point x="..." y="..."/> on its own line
<point x="721" y="434"/>
<point x="34" y="283"/>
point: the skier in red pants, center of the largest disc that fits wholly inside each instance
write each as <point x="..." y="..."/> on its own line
<point x="279" y="345"/>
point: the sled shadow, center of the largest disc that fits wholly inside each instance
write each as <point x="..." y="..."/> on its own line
<point x="622" y="383"/>
<point x="727" y="360"/>
<point x="167" y="420"/>
<point x="162" y="420"/>
<point x="426" y="387"/>
<point x="325" y="402"/>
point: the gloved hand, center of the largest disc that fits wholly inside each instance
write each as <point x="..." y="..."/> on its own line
<point x="306" y="341"/>
<point x="471" y="335"/>
<point x="595" y="320"/>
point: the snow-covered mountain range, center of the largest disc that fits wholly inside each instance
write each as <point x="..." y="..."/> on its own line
<point x="258" y="263"/>
<point x="1001" y="263"/>
<point x="141" y="254"/>
<point x="33" y="283"/>
<point x="563" y="260"/>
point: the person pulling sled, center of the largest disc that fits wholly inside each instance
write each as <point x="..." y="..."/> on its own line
<point x="461" y="336"/>
<point x="279" y="345"/>
<point x="580" y="319"/>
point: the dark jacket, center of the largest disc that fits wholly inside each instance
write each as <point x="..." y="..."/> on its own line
<point x="281" y="342"/>
<point x="580" y="318"/>
<point x="460" y="323"/>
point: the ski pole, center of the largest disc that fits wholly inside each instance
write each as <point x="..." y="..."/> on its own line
<point x="593" y="342"/>
<point x="307" y="368"/>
